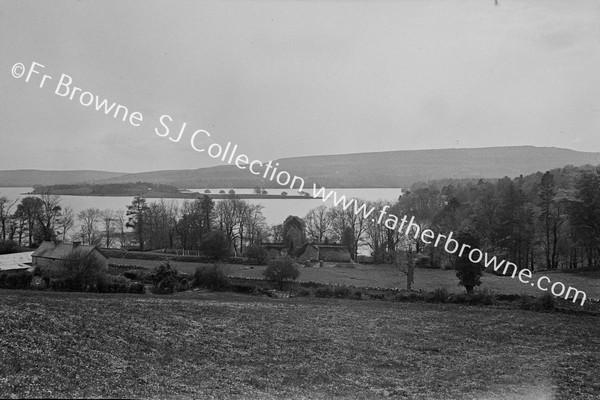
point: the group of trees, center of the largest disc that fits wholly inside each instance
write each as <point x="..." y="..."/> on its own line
<point x="32" y="219"/>
<point x="329" y="225"/>
<point x="544" y="220"/>
<point x="166" y="224"/>
<point x="155" y="224"/>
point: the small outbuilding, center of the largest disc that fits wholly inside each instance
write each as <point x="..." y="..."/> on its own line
<point x="55" y="254"/>
<point x="275" y="250"/>
<point x="324" y="252"/>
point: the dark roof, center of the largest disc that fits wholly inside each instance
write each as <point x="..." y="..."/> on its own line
<point x="274" y="245"/>
<point x="331" y="246"/>
<point x="60" y="251"/>
<point x="303" y="248"/>
<point x="318" y="246"/>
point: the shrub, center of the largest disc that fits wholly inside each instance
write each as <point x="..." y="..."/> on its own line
<point x="215" y="244"/>
<point x="439" y="295"/>
<point x="376" y="296"/>
<point x="461" y="298"/>
<point x="257" y="253"/>
<point x="245" y="288"/>
<point x="140" y="275"/>
<point x="427" y="262"/>
<point x="508" y="297"/>
<point x="527" y="302"/>
<point x="8" y="246"/>
<point x="114" y="284"/>
<point x="58" y="284"/>
<point x="341" y="292"/>
<point x="133" y="275"/>
<point x="212" y="278"/>
<point x="136" y="287"/>
<point x="411" y="296"/>
<point x="484" y="297"/>
<point x="20" y="280"/>
<point x="182" y="284"/>
<point x="83" y="270"/>
<point x="546" y="302"/>
<point x="324" y="291"/>
<point x="164" y="279"/>
<point x="281" y="270"/>
<point x="303" y="292"/>
<point x="468" y="273"/>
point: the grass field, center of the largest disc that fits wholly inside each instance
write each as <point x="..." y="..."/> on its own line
<point x="224" y="345"/>
<point x="387" y="276"/>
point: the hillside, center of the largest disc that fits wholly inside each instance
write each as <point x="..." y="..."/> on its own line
<point x="383" y="169"/>
<point x="360" y="170"/>
<point x="33" y="177"/>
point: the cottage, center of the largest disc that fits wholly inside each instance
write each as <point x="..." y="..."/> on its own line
<point x="275" y="250"/>
<point x="55" y="254"/>
<point x="323" y="252"/>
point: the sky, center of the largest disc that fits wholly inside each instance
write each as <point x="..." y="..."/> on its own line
<point x="294" y="78"/>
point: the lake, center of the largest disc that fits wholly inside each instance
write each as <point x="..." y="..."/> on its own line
<point x="275" y="210"/>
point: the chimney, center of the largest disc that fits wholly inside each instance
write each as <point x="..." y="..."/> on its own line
<point x="75" y="244"/>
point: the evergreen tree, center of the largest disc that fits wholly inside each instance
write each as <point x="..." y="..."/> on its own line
<point x="137" y="212"/>
<point x="469" y="274"/>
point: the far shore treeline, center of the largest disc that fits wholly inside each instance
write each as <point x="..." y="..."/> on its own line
<point x="545" y="220"/>
<point x="152" y="190"/>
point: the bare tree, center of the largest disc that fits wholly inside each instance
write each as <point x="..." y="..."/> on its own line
<point x="318" y="223"/>
<point x="108" y="222"/>
<point x="89" y="219"/>
<point x="256" y="224"/>
<point x="27" y="211"/>
<point x="376" y="235"/>
<point x="346" y="221"/>
<point x="48" y="215"/>
<point x="252" y="224"/>
<point x="66" y="221"/>
<point x="5" y="206"/>
<point x="120" y="223"/>
<point x="190" y="227"/>
<point x="228" y="213"/>
<point x="275" y="233"/>
<point x="18" y="225"/>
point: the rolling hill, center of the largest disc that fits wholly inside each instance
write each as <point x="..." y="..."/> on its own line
<point x="383" y="169"/>
<point x="361" y="170"/>
<point x="33" y="177"/>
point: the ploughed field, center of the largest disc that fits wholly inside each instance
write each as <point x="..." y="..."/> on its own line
<point x="225" y="345"/>
<point x="388" y="276"/>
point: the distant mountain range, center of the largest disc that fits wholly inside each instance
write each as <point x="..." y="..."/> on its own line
<point x="361" y="170"/>
<point x="33" y="177"/>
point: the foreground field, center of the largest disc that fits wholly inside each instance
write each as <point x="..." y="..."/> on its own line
<point x="387" y="276"/>
<point x="207" y="345"/>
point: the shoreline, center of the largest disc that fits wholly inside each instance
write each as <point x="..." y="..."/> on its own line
<point x="192" y="196"/>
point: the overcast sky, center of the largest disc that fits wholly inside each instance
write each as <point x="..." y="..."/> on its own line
<point x="294" y="78"/>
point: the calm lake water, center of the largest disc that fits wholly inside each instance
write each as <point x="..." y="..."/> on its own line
<point x="275" y="210"/>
